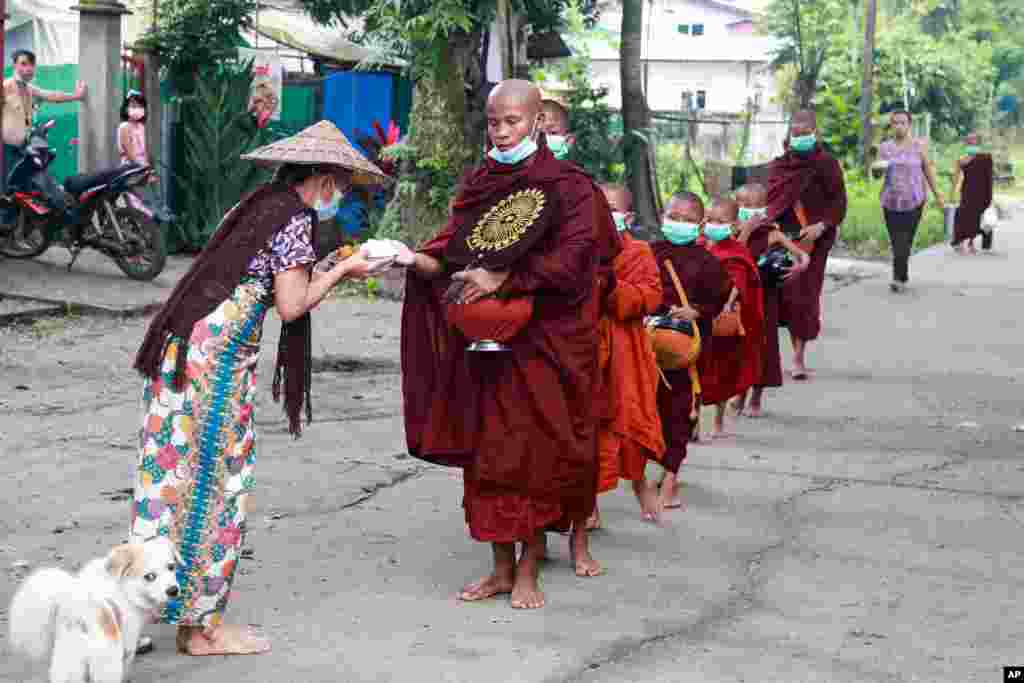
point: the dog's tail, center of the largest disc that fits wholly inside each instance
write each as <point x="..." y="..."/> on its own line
<point x="34" y="608"/>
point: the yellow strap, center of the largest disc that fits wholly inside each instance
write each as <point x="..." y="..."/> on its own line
<point x="682" y="295"/>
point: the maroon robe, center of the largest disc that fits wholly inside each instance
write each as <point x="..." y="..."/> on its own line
<point x="707" y="288"/>
<point x="522" y="423"/>
<point x="734" y="363"/>
<point x="816" y="180"/>
<point x="975" y="197"/>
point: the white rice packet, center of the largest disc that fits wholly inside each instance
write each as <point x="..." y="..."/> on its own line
<point x="379" y="249"/>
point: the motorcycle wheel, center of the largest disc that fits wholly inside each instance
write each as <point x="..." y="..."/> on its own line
<point x="144" y="238"/>
<point x="35" y="238"/>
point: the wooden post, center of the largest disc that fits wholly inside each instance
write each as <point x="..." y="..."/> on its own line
<point x="867" y="86"/>
<point x="3" y="59"/>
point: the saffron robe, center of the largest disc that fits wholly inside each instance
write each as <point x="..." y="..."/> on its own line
<point x="707" y="288"/>
<point x="521" y="423"/>
<point x="975" y="197"/>
<point x="734" y="363"/>
<point x="630" y="431"/>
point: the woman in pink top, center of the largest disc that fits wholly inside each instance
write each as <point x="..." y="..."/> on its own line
<point x="131" y="144"/>
<point x="907" y="168"/>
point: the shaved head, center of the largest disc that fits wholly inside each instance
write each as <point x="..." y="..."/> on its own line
<point x="685" y="207"/>
<point x="516" y="92"/>
<point x="556" y="118"/>
<point x="723" y="210"/>
<point x="804" y="118"/>
<point x="752" y="196"/>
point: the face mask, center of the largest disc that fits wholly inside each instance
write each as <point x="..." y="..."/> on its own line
<point x="750" y="214"/>
<point x="680" y="234"/>
<point x="716" y="232"/>
<point x="521" y="152"/>
<point x="802" y="144"/>
<point x="559" y="146"/>
<point x="972" y="150"/>
<point x="326" y="211"/>
<point x="136" y="113"/>
<point x="620" y="220"/>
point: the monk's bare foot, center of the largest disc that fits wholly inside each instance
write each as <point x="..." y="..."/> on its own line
<point x="650" y="503"/>
<point x="669" y="493"/>
<point x="222" y="640"/>
<point x="579" y="549"/>
<point x="487" y="587"/>
<point x="971" y="249"/>
<point x="738" y="405"/>
<point x="593" y="521"/>
<point x="526" y="592"/>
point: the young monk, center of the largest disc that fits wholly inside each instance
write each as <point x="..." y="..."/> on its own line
<point x="752" y="200"/>
<point x="707" y="286"/>
<point x="520" y="423"/>
<point x="733" y="365"/>
<point x="556" y="129"/>
<point x="630" y="432"/>
<point x="807" y="199"/>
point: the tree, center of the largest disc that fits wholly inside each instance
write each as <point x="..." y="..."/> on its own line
<point x="807" y="30"/>
<point x="635" y="116"/>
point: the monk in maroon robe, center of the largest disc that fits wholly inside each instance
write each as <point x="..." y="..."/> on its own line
<point x="752" y="200"/>
<point x="521" y="423"/>
<point x="973" y="180"/>
<point x="707" y="287"/>
<point x="733" y="365"/>
<point x="807" y="198"/>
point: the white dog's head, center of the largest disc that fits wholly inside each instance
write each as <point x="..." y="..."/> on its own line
<point x="146" y="572"/>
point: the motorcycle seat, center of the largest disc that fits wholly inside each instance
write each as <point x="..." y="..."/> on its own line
<point x="77" y="184"/>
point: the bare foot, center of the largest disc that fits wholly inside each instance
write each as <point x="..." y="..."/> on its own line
<point x="594" y="521"/>
<point x="669" y="493"/>
<point x="738" y="405"/>
<point x="579" y="549"/>
<point x="224" y="640"/>
<point x="650" y="503"/>
<point x="487" y="587"/>
<point x="526" y="592"/>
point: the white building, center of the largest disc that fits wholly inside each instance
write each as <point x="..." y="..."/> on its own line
<point x="706" y="47"/>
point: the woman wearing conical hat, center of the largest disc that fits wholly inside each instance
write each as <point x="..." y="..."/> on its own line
<point x="197" y="447"/>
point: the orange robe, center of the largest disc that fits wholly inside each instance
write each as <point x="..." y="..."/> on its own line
<point x="733" y="364"/>
<point x="630" y="433"/>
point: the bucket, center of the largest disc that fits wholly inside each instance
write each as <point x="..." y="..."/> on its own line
<point x="949" y="213"/>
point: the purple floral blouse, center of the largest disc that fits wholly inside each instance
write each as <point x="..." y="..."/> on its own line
<point x="289" y="247"/>
<point x="904" y="188"/>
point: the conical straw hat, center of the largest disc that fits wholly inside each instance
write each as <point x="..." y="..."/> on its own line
<point x="321" y="143"/>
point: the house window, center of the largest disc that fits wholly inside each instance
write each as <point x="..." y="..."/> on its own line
<point x="684" y="29"/>
<point x="702" y="99"/>
<point x="697" y="30"/>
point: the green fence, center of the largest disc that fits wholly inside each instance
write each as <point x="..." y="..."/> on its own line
<point x="61" y="78"/>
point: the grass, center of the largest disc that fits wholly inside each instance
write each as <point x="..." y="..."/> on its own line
<point x="864" y="232"/>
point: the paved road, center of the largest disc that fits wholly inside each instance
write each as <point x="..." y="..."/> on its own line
<point x="863" y="531"/>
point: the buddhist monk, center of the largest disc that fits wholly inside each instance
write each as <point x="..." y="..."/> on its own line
<point x="556" y="129"/>
<point x="521" y="423"/>
<point x="630" y="432"/>
<point x="807" y="198"/>
<point x="972" y="181"/>
<point x="752" y="200"/>
<point x="733" y="365"/>
<point x="706" y="285"/>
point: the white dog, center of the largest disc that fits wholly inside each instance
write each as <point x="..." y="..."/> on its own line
<point x="88" y="625"/>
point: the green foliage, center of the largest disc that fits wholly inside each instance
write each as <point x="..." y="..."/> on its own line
<point x="192" y="35"/>
<point x="807" y="30"/>
<point x="218" y="130"/>
<point x="864" y="232"/>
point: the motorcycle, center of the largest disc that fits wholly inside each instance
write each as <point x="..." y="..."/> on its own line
<point x="88" y="211"/>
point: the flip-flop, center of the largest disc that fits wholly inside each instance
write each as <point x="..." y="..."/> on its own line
<point x="799" y="376"/>
<point x="144" y="646"/>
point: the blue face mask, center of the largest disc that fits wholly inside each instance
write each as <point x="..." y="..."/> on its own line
<point x="518" y="154"/>
<point x="802" y="144"/>
<point x="559" y="146"/>
<point x="326" y="211"/>
<point x="620" y="220"/>
<point x="750" y="214"/>
<point x="716" y="232"/>
<point x="680" y="234"/>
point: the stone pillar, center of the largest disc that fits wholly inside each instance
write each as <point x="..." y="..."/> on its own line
<point x="99" y="65"/>
<point x="154" y="110"/>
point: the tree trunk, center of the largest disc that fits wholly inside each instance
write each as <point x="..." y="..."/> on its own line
<point x="634" y="118"/>
<point x="439" y="132"/>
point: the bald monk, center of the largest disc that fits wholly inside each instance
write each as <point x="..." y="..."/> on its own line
<point x="972" y="181"/>
<point x="707" y="286"/>
<point x="807" y="198"/>
<point x="521" y="424"/>
<point x="752" y="202"/>
<point x="556" y="128"/>
<point x="733" y="365"/>
<point x="630" y="433"/>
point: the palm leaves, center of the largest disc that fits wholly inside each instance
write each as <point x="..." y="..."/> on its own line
<point x="218" y="129"/>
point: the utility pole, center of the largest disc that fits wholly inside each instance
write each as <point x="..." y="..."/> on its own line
<point x="867" y="85"/>
<point x="3" y="59"/>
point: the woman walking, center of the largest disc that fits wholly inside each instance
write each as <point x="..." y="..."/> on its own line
<point x="972" y="180"/>
<point x="197" y="447"/>
<point x="907" y="169"/>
